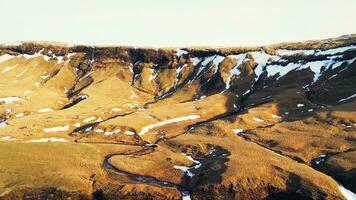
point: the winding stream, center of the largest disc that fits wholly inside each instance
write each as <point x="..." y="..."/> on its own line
<point x="140" y="178"/>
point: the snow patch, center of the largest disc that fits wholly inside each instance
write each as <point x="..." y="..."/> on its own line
<point x="281" y="70"/>
<point x="180" y="52"/>
<point x="59" y="59"/>
<point x="196" y="162"/>
<point x="179" y="69"/>
<point x="246" y="92"/>
<point x="341" y="100"/>
<point x="89" y="119"/>
<point x="330" y="62"/>
<point x="276" y="116"/>
<point x="153" y="75"/>
<point x="262" y="59"/>
<point x="133" y="94"/>
<point x="6" y="57"/>
<point x="8" y="138"/>
<point x="9" y="100"/>
<point x="9" y="68"/>
<point x="19" y="115"/>
<point x="207" y="60"/>
<point x="347" y="193"/>
<point x="52" y="139"/>
<point x="299" y="105"/>
<point x="20" y="74"/>
<point x="3" y="124"/>
<point x="185" y="196"/>
<point x="46" y="58"/>
<point x="235" y="70"/>
<point x="169" y="121"/>
<point x="56" y="129"/>
<point x="37" y="54"/>
<point x="130" y="105"/>
<point x="216" y="59"/>
<point x="44" y="76"/>
<point x="333" y="76"/>
<point x="186" y="169"/>
<point x="44" y="110"/>
<point x="71" y="54"/>
<point x="288" y="52"/>
<point x="316" y="66"/>
<point x="336" y="50"/>
<point x="237" y="131"/>
<point x="116" y="109"/>
<point x="196" y="60"/>
<point x="129" y="133"/>
<point x="108" y="133"/>
<point x="258" y="119"/>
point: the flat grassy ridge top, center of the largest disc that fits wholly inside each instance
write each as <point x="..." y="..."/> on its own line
<point x="324" y="44"/>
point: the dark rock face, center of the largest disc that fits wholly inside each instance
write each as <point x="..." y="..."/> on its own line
<point x="211" y="67"/>
<point x="212" y="70"/>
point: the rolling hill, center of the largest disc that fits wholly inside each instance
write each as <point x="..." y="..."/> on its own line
<point x="269" y="122"/>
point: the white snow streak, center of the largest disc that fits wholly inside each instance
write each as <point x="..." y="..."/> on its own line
<point x="347" y="98"/>
<point x="6" y="57"/>
<point x="52" y="139"/>
<point x="288" y="52"/>
<point x="336" y="50"/>
<point x="129" y="133"/>
<point x="19" y="115"/>
<point x="169" y="121"/>
<point x="347" y="193"/>
<point x="9" y="100"/>
<point x="237" y="131"/>
<point x="3" y="124"/>
<point x="116" y="109"/>
<point x="8" y="138"/>
<point x="186" y="169"/>
<point x="180" y="52"/>
<point x="235" y="70"/>
<point x="44" y="110"/>
<point x="7" y="69"/>
<point x="56" y="129"/>
<point x="89" y="119"/>
<point x="276" y="116"/>
<point x="299" y="105"/>
<point x="20" y="74"/>
<point x="258" y="119"/>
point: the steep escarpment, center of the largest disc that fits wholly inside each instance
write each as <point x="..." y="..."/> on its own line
<point x="233" y="123"/>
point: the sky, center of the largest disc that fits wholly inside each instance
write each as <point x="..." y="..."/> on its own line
<point x="175" y="23"/>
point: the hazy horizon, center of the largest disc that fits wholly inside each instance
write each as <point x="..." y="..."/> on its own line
<point x="176" y="23"/>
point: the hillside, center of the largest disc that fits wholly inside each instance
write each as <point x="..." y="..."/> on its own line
<point x="270" y="122"/>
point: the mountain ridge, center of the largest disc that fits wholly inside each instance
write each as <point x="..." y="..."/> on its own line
<point x="349" y="37"/>
<point x="232" y="123"/>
